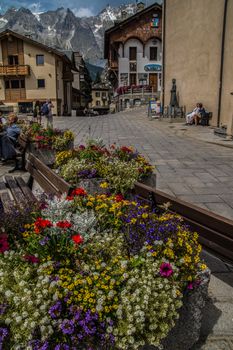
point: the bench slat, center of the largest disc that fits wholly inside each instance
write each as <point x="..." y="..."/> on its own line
<point x="42" y="181"/>
<point x="26" y="190"/>
<point x="16" y="191"/>
<point x="3" y="186"/>
<point x="7" y="202"/>
<point x="61" y="185"/>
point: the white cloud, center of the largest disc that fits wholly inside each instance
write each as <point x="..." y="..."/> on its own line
<point x="83" y="12"/>
<point x="35" y="7"/>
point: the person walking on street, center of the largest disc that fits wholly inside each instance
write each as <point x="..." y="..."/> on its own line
<point x="37" y="112"/>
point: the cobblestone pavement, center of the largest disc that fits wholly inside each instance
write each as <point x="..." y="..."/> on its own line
<point x="193" y="170"/>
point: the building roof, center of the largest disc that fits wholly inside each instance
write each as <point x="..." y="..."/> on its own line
<point x="8" y="32"/>
<point x="100" y="86"/>
<point x="125" y="22"/>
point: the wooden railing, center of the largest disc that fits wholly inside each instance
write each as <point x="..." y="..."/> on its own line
<point x="15" y="70"/>
<point x="215" y="231"/>
<point x="135" y="90"/>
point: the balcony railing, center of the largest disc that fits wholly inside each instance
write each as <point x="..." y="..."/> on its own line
<point x="14" y="70"/>
<point x="125" y="90"/>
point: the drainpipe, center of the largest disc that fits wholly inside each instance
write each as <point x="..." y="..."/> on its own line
<point x="222" y="61"/>
<point x="163" y="51"/>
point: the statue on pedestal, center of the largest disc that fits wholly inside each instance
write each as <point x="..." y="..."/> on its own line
<point x="173" y="101"/>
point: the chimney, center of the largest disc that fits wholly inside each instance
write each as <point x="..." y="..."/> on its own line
<point x="140" y="6"/>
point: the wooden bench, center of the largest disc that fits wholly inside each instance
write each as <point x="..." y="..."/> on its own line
<point x="14" y="190"/>
<point x="205" y="118"/>
<point x="21" y="149"/>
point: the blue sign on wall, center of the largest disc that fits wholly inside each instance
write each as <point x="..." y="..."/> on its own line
<point x="153" y="67"/>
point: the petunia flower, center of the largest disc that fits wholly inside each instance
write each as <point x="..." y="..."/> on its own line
<point x="166" y="270"/>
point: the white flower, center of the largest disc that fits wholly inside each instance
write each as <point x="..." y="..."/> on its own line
<point x="18" y="319"/>
<point x="8" y="293"/>
<point x="7" y="321"/>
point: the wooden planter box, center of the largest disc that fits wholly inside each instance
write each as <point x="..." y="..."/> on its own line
<point x="149" y="180"/>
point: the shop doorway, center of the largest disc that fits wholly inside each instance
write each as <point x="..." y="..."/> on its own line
<point x="153" y="81"/>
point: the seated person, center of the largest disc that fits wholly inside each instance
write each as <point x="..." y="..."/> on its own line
<point x="200" y="113"/>
<point x="8" y="138"/>
<point x="190" y="117"/>
<point x="2" y="120"/>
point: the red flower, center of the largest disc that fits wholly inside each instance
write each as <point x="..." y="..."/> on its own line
<point x="79" y="192"/>
<point x="4" y="245"/>
<point x="32" y="259"/>
<point x="41" y="224"/>
<point x="77" y="239"/>
<point x="126" y="149"/>
<point x="119" y="198"/>
<point x="69" y="198"/>
<point x="63" y="224"/>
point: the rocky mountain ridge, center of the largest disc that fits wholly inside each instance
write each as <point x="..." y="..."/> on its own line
<point x="63" y="30"/>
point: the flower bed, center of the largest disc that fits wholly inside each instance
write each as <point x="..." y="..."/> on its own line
<point x="43" y="138"/>
<point x="94" y="272"/>
<point x="119" y="167"/>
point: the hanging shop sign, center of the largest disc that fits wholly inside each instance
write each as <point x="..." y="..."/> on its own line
<point x="153" y="68"/>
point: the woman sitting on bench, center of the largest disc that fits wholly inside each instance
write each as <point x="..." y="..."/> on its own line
<point x="8" y="139"/>
<point x="195" y="115"/>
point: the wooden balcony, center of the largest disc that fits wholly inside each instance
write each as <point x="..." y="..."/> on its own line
<point x="22" y="70"/>
<point x="113" y="65"/>
<point x="14" y="95"/>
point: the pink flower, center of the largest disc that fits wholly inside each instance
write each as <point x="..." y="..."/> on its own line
<point x="31" y="259"/>
<point x="166" y="270"/>
<point x="190" y="286"/>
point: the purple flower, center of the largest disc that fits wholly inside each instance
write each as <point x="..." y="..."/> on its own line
<point x="166" y="270"/>
<point x="38" y="345"/>
<point x="3" y="333"/>
<point x="44" y="241"/>
<point x="62" y="346"/>
<point x="87" y="173"/>
<point x="3" y="308"/>
<point x="67" y="327"/>
<point x="55" y="310"/>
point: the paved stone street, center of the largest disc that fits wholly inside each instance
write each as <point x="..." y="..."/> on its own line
<point x="188" y="168"/>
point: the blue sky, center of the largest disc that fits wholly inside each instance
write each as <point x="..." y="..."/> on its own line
<point x="80" y="7"/>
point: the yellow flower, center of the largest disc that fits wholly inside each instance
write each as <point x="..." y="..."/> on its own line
<point x="90" y="204"/>
<point x="203" y="266"/>
<point x="104" y="185"/>
<point x="144" y="215"/>
<point x="133" y="221"/>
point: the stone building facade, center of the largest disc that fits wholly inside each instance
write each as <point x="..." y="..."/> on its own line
<point x="30" y="72"/>
<point x="134" y="51"/>
<point x="197" y="52"/>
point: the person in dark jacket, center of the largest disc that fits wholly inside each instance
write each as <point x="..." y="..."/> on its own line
<point x="8" y="138"/>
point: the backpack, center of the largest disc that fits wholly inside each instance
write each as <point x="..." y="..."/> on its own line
<point x="45" y="109"/>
